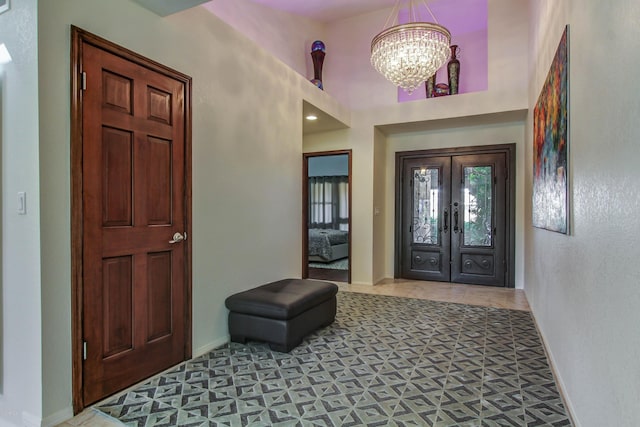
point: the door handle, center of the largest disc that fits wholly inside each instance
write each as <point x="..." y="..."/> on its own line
<point x="446" y="221"/>
<point x="178" y="238"/>
<point x="455" y="220"/>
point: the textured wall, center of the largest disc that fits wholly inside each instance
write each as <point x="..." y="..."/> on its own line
<point x="20" y="346"/>
<point x="285" y="36"/>
<point x="583" y="288"/>
<point x="380" y="214"/>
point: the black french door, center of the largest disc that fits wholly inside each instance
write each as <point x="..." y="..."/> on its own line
<point x="454" y="217"/>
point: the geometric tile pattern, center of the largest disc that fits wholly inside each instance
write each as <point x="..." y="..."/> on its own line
<point x="385" y="361"/>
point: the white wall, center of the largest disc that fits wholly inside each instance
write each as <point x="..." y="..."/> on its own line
<point x="247" y="156"/>
<point x="287" y="37"/>
<point x="381" y="214"/>
<point x="583" y="288"/>
<point x="20" y="346"/>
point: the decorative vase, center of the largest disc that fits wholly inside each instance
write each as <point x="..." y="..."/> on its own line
<point x="453" y="70"/>
<point x="317" y="54"/>
<point x="430" y="85"/>
<point x="442" y="89"/>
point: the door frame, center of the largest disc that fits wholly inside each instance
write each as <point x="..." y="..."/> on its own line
<point x="79" y="38"/>
<point x="509" y="150"/>
<point x="305" y="206"/>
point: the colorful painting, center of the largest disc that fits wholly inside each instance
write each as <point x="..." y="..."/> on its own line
<point x="551" y="145"/>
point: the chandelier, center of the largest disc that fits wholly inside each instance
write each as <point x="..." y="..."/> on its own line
<point x="408" y="54"/>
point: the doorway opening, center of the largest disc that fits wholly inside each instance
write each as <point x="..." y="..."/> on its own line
<point x="455" y="215"/>
<point x="326" y="246"/>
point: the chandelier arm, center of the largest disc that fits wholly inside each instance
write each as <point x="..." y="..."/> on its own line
<point x="412" y="12"/>
<point x="430" y="12"/>
<point x="394" y="13"/>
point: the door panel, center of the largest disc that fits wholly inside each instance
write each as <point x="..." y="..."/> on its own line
<point x="117" y="152"/>
<point x="117" y="303"/>
<point x="134" y="279"/>
<point x="478" y="198"/>
<point x="454" y="218"/>
<point x="158" y="163"/>
<point x="425" y="225"/>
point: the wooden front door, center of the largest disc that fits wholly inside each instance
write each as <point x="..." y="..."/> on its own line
<point x="135" y="305"/>
<point x="454" y="221"/>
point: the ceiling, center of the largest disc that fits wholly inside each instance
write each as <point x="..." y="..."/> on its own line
<point x="318" y="10"/>
<point x="329" y="10"/>
<point x="456" y="15"/>
<point x="168" y="7"/>
<point x="323" y="123"/>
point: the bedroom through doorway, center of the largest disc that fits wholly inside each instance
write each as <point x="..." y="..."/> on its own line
<point x="327" y="216"/>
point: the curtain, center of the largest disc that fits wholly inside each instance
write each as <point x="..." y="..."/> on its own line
<point x="329" y="202"/>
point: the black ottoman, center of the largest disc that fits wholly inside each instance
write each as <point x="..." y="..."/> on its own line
<point x="281" y="313"/>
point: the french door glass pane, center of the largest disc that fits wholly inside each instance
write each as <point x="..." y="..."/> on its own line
<point x="478" y="220"/>
<point x="425" y="206"/>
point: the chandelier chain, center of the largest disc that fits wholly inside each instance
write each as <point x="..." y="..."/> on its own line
<point x="435" y="20"/>
<point x="394" y="14"/>
<point x="412" y="12"/>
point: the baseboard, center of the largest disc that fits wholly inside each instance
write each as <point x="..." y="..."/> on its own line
<point x="559" y="382"/>
<point x="362" y="283"/>
<point x="373" y="283"/>
<point x="58" y="417"/>
<point x="381" y="279"/>
<point x="210" y="346"/>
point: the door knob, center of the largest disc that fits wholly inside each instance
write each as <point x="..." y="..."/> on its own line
<point x="455" y="220"/>
<point x="446" y="221"/>
<point x="178" y="238"/>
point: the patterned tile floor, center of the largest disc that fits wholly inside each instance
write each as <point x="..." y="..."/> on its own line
<point x="385" y="361"/>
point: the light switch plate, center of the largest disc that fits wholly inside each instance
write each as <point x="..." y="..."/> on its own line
<point x="22" y="203"/>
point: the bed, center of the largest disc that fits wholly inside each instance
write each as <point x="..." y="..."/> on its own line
<point x="326" y="245"/>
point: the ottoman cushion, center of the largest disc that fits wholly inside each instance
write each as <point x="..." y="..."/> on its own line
<point x="281" y="313"/>
<point x="283" y="299"/>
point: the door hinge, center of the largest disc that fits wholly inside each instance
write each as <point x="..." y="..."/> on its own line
<point x="84" y="80"/>
<point x="410" y="229"/>
<point x="84" y="350"/>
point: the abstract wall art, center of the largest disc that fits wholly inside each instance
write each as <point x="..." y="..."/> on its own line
<point x="551" y="145"/>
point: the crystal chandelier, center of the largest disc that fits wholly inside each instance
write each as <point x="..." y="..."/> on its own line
<point x="408" y="54"/>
